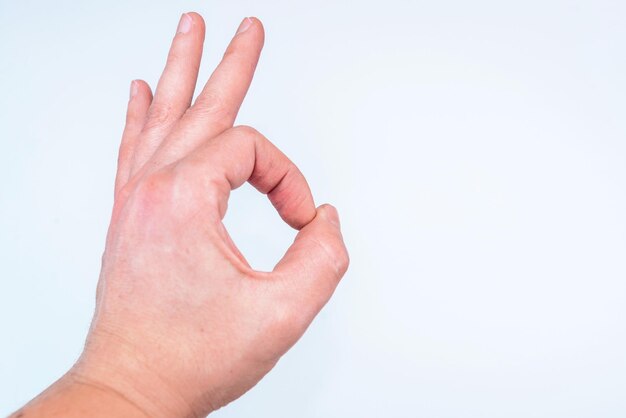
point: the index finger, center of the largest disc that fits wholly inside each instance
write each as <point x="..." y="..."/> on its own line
<point x="242" y="154"/>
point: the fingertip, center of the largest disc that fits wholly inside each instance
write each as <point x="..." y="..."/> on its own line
<point x="251" y="25"/>
<point x="330" y="214"/>
<point x="257" y="23"/>
<point x="197" y="19"/>
<point x="138" y="102"/>
<point x="259" y="27"/>
<point x="139" y="88"/>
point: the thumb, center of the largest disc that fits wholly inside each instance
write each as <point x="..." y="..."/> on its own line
<point x="315" y="262"/>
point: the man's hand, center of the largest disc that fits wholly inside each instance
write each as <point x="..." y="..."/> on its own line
<point x="183" y="324"/>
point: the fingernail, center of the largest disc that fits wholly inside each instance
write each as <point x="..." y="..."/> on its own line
<point x="245" y="24"/>
<point x="133" y="89"/>
<point x="332" y="215"/>
<point x="185" y="24"/>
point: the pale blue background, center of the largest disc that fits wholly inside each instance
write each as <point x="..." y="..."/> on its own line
<point x="476" y="152"/>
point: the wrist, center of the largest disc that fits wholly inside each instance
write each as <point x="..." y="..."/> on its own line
<point x="111" y="363"/>
<point x="72" y="397"/>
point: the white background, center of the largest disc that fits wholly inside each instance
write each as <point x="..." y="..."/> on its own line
<point x="476" y="152"/>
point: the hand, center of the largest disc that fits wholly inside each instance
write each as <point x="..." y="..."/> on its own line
<point x="183" y="324"/>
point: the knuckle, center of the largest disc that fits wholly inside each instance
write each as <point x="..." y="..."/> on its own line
<point x="217" y="191"/>
<point x="132" y="115"/>
<point x="343" y="261"/>
<point x="174" y="56"/>
<point x="234" y="53"/>
<point x="245" y="131"/>
<point x="124" y="152"/>
<point x="154" y="189"/>
<point x="158" y="116"/>
<point x="335" y="253"/>
<point x="211" y="104"/>
<point x="216" y="188"/>
<point x="247" y="134"/>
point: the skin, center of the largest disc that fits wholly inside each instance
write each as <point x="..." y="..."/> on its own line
<point x="183" y="324"/>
